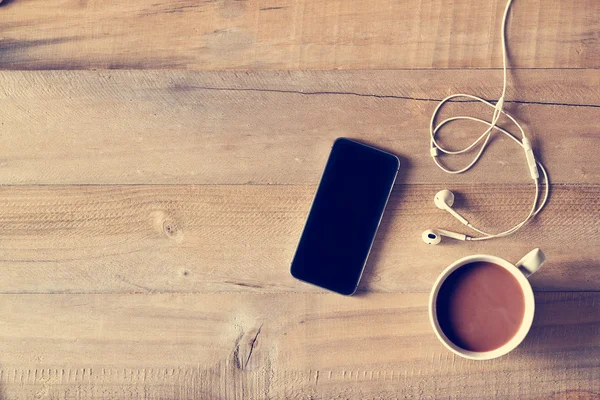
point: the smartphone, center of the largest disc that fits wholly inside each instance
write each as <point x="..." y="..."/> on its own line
<point x="344" y="216"/>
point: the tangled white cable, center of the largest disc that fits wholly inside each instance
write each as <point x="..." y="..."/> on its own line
<point x="433" y="236"/>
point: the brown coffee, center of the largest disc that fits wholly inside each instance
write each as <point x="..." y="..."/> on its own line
<point x="480" y="306"/>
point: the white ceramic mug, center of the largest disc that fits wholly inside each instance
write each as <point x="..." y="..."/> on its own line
<point x="525" y="267"/>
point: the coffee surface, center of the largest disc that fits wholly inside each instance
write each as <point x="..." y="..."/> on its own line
<point x="480" y="306"/>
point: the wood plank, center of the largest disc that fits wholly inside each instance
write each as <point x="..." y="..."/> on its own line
<point x="296" y="34"/>
<point x="281" y="346"/>
<point x="277" y="127"/>
<point x="98" y="239"/>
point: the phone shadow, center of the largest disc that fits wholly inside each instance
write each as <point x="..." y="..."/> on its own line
<point x="370" y="275"/>
<point x="3" y="394"/>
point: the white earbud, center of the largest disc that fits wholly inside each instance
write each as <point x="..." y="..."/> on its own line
<point x="444" y="199"/>
<point x="434" y="236"/>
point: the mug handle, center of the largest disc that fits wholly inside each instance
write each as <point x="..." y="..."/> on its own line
<point x="531" y="262"/>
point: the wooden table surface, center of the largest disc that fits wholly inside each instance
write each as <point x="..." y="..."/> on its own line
<point x="158" y="160"/>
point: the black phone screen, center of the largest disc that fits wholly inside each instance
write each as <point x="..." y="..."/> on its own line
<point x="344" y="216"/>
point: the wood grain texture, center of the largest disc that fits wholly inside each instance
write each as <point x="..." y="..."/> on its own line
<point x="105" y="239"/>
<point x="149" y="211"/>
<point x="277" y="127"/>
<point x="296" y="34"/>
<point x="280" y="346"/>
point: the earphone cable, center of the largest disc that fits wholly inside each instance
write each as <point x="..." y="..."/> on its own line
<point x="436" y="148"/>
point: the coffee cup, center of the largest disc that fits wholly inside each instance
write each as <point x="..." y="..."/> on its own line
<point x="446" y="294"/>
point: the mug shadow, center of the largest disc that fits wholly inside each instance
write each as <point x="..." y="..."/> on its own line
<point x="370" y="275"/>
<point x="566" y="323"/>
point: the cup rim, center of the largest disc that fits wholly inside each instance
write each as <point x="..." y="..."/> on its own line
<point x="527" y="317"/>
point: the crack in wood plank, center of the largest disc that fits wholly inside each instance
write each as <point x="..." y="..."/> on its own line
<point x="383" y="96"/>
<point x="252" y="344"/>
